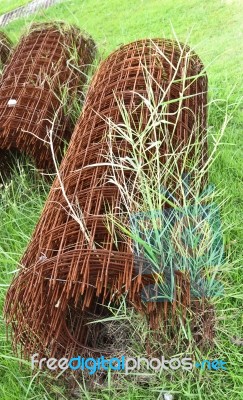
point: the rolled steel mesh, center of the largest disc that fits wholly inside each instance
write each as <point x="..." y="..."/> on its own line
<point x="47" y="70"/>
<point x="71" y="269"/>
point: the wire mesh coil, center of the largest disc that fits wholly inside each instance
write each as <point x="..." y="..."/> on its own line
<point x="70" y="270"/>
<point x="46" y="71"/>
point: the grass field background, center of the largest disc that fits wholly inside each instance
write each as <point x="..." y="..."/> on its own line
<point x="215" y="28"/>
<point x="9" y="5"/>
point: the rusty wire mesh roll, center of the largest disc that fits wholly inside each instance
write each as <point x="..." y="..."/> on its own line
<point x="70" y="272"/>
<point x="47" y="70"/>
<point x="5" y="49"/>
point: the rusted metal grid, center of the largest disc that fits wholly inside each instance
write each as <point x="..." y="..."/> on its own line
<point x="70" y="273"/>
<point x="5" y="48"/>
<point x="47" y="70"/>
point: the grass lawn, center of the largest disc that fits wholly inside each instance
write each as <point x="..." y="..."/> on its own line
<point x="215" y="29"/>
<point x="10" y="5"/>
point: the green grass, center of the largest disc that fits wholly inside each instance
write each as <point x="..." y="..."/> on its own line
<point x="10" y="5"/>
<point x="215" y="29"/>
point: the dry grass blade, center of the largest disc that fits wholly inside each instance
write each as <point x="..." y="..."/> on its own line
<point x="5" y="49"/>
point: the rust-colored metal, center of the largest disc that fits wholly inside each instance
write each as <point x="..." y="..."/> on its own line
<point x="5" y="49"/>
<point x="69" y="273"/>
<point x="46" y="71"/>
